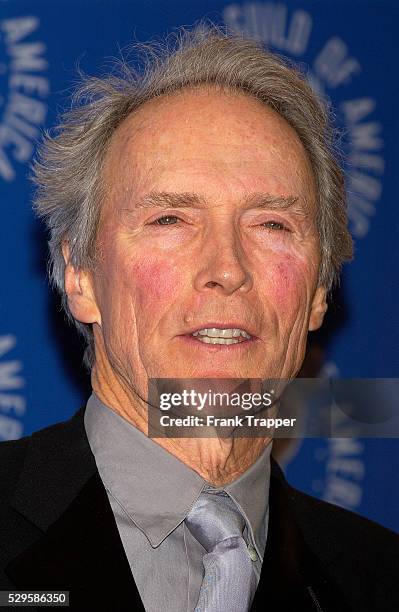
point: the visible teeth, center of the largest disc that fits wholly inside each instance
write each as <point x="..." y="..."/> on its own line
<point x="219" y="333"/>
<point x="209" y="340"/>
<point x="227" y="336"/>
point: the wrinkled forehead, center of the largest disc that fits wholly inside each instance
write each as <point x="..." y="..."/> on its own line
<point x="207" y="131"/>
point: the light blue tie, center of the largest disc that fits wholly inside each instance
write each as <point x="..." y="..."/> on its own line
<point x="229" y="581"/>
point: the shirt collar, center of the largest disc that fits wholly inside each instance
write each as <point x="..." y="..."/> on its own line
<point x="250" y="491"/>
<point x="157" y="490"/>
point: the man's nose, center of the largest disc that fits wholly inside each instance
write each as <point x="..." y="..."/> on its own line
<point x="223" y="266"/>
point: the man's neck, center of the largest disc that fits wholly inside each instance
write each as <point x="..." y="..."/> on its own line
<point x="218" y="460"/>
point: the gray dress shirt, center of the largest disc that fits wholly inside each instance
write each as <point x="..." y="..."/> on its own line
<point x="151" y="493"/>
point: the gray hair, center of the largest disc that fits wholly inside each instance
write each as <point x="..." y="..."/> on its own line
<point x="68" y="167"/>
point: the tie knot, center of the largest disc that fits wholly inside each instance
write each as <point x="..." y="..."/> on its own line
<point x="214" y="518"/>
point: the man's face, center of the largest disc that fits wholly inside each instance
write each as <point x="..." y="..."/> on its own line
<point x="208" y="222"/>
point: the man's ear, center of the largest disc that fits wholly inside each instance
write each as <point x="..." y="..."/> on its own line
<point x="79" y="289"/>
<point x="318" y="308"/>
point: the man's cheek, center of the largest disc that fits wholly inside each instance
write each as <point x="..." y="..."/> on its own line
<point x="155" y="281"/>
<point x="287" y="284"/>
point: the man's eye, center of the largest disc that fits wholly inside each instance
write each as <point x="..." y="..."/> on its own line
<point x="274" y="225"/>
<point x="166" y="220"/>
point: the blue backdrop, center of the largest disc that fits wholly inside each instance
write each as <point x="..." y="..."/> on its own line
<point x="349" y="49"/>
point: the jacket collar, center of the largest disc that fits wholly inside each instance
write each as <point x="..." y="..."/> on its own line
<point x="79" y="548"/>
<point x="57" y="464"/>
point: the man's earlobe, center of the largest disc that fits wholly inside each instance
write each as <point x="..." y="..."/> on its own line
<point x="318" y="309"/>
<point x="80" y="291"/>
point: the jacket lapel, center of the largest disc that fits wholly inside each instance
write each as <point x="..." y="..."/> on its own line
<point x="292" y="577"/>
<point x="79" y="549"/>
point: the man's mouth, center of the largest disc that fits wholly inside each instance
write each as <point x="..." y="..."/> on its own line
<point x="214" y="335"/>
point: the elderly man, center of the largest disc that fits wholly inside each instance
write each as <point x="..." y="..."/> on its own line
<point x="197" y="223"/>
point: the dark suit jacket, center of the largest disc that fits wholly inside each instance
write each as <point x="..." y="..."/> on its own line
<point x="57" y="531"/>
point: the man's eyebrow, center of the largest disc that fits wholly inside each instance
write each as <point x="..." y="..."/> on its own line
<point x="163" y="199"/>
<point x="271" y="202"/>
